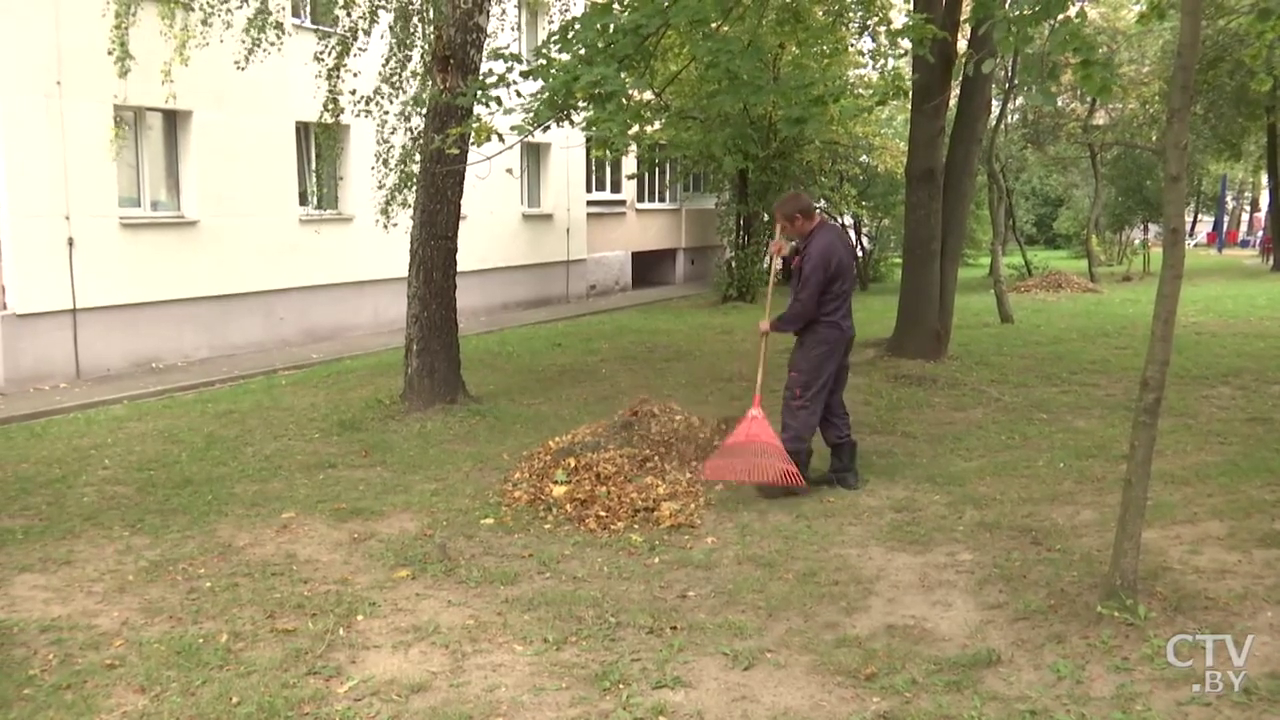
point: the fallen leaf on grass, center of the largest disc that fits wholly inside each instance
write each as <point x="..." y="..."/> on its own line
<point x="118" y="642"/>
<point x="288" y="515"/>
<point x="347" y="686"/>
<point x="403" y="574"/>
<point x="487" y="521"/>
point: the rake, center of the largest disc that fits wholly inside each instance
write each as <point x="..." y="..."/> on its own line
<point x="753" y="453"/>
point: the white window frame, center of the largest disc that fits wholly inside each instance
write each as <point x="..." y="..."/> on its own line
<point x="300" y="13"/>
<point x="613" y="170"/>
<point x="650" y="179"/>
<point x="533" y="172"/>
<point x="143" y="167"/>
<point x="532" y="23"/>
<point x="305" y="156"/>
<point x="693" y="190"/>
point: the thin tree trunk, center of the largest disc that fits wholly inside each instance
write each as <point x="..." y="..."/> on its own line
<point x="916" y="334"/>
<point x="1273" y="170"/>
<point x="998" y="196"/>
<point x="432" y="354"/>
<point x="1013" y="223"/>
<point x="1195" y="208"/>
<point x="864" y="258"/>
<point x="1255" y="198"/>
<point x="1091" y="234"/>
<point x="964" y="150"/>
<point x="1121" y="583"/>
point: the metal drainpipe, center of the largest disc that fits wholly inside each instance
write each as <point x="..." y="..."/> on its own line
<point x="568" y="221"/>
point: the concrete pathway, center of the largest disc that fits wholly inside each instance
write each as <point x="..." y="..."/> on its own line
<point x="160" y="381"/>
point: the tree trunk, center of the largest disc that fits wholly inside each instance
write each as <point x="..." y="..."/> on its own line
<point x="916" y="334"/>
<point x="1121" y="583"/>
<point x="863" y="257"/>
<point x="1195" y="207"/>
<point x="964" y="149"/>
<point x="1273" y="169"/>
<point x="1255" y="199"/>
<point x="998" y="196"/>
<point x="432" y="355"/>
<point x="1091" y="234"/>
<point x="1237" y="205"/>
<point x="1013" y="223"/>
<point x="743" y="266"/>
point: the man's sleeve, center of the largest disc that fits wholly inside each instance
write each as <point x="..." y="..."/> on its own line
<point x="803" y="307"/>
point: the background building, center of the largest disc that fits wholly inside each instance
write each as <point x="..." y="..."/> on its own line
<point x="139" y="226"/>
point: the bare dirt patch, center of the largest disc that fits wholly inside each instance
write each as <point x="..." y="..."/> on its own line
<point x="768" y="690"/>
<point x="59" y="596"/>
<point x="89" y="585"/>
<point x="932" y="592"/>
<point x="333" y="551"/>
<point x="1206" y="549"/>
<point x="426" y="639"/>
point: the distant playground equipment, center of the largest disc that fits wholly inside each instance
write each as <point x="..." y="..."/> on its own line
<point x="1258" y="241"/>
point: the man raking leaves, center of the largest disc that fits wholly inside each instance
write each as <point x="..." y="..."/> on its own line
<point x="820" y="315"/>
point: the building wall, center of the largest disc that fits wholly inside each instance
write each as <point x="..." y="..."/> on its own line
<point x="240" y="268"/>
<point x="630" y="241"/>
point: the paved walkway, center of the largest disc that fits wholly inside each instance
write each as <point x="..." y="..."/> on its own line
<point x="40" y="403"/>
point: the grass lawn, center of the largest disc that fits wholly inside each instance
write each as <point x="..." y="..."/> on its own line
<point x="294" y="547"/>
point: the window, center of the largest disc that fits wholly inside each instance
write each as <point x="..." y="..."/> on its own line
<point x="530" y="27"/>
<point x="319" y="149"/>
<point x="316" y="13"/>
<point x="531" y="157"/>
<point x="695" y="183"/>
<point x="147" y="161"/>
<point x="604" y="176"/>
<point x="654" y="181"/>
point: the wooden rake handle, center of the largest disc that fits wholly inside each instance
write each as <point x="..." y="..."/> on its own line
<point x="768" y="313"/>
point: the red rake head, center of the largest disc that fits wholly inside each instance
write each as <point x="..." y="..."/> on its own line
<point x="752" y="455"/>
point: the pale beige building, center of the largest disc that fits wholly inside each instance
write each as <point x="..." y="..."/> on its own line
<point x="138" y="227"/>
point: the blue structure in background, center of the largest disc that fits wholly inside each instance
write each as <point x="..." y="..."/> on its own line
<point x="1219" y="216"/>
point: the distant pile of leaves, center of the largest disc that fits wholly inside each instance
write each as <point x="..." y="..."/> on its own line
<point x="638" y="469"/>
<point x="1055" y="281"/>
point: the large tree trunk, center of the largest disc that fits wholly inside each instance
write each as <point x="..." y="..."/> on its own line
<point x="432" y="355"/>
<point x="1237" y="205"/>
<point x="916" y="334"/>
<point x="964" y="148"/>
<point x="1121" y="583"/>
<point x="1273" y="170"/>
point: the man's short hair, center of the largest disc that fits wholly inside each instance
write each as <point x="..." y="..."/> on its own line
<point x="793" y="204"/>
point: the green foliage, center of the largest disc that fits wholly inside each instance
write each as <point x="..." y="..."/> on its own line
<point x="762" y="97"/>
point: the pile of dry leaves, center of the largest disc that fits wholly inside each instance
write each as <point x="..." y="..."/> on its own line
<point x="1055" y="281"/>
<point x="641" y="468"/>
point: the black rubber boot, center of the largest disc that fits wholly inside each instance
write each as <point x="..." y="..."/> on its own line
<point x="772" y="492"/>
<point x="844" y="466"/>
